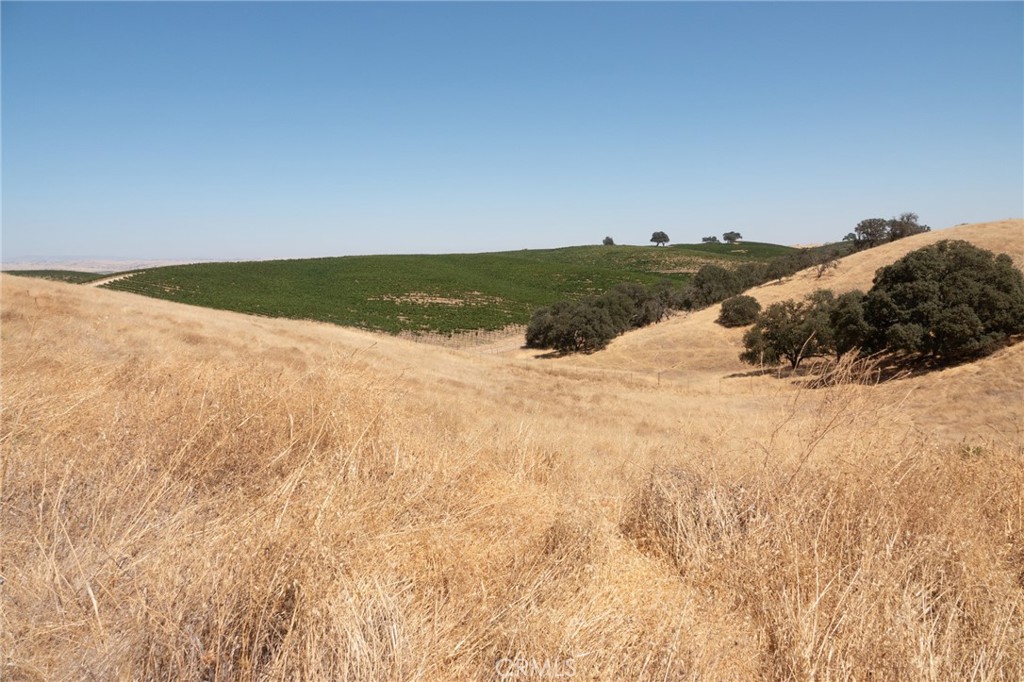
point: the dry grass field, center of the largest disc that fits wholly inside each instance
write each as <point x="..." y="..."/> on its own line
<point x="190" y="494"/>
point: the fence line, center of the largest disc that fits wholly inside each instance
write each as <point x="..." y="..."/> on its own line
<point x="483" y="341"/>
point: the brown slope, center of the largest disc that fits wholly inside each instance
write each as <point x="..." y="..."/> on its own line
<point x="690" y="360"/>
<point x="694" y="343"/>
<point x="858" y="270"/>
<point x="983" y="400"/>
<point x="193" y="494"/>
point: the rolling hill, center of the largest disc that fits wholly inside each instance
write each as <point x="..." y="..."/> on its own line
<point x="429" y="293"/>
<point x="989" y="402"/>
<point x="70" y="276"/>
<point x="191" y="493"/>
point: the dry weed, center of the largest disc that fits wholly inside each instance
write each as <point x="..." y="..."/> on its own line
<point x="192" y="495"/>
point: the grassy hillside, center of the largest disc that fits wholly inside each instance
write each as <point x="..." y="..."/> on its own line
<point x="674" y="258"/>
<point x="193" y="494"/>
<point x="70" y="276"/>
<point x="428" y="293"/>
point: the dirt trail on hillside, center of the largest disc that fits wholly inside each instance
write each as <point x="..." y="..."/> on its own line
<point x="108" y="280"/>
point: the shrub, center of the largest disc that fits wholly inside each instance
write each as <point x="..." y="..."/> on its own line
<point x="588" y="325"/>
<point x="786" y="265"/>
<point x="951" y="301"/>
<point x="541" y="330"/>
<point x="589" y="328"/>
<point x="948" y="301"/>
<point x="569" y="326"/>
<point x="825" y="264"/>
<point x="751" y="274"/>
<point x="712" y="284"/>
<point x="790" y="330"/>
<point x="849" y="328"/>
<point x="738" y="311"/>
<point x="669" y="295"/>
<point x="621" y="309"/>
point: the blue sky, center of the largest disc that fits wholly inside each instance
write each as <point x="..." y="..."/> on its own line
<point x="261" y="130"/>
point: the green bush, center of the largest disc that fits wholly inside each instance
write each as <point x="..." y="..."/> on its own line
<point x="588" y="325"/>
<point x="541" y="330"/>
<point x="738" y="311"/>
<point x="751" y="274"/>
<point x="574" y="326"/>
<point x="791" y="263"/>
<point x="874" y="231"/>
<point x="790" y="330"/>
<point x="850" y="330"/>
<point x="948" y="301"/>
<point x="712" y="284"/>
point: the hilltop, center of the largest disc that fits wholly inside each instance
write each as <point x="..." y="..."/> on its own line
<point x="195" y="493"/>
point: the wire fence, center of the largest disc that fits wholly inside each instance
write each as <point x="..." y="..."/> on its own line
<point x="492" y="341"/>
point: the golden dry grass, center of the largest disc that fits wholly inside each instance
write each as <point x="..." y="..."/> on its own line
<point x="857" y="270"/>
<point x="192" y="494"/>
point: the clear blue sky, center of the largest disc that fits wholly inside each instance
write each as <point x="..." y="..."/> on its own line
<point x="262" y="130"/>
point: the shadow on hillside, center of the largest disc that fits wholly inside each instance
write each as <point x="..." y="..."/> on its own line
<point x="870" y="370"/>
<point x="808" y="369"/>
<point x="822" y="373"/>
<point x="555" y="354"/>
<point x="766" y="371"/>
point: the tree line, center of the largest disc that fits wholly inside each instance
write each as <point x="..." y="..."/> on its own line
<point x="587" y="325"/>
<point x="874" y="231"/>
<point x="661" y="238"/>
<point x="868" y="233"/>
<point x="943" y="303"/>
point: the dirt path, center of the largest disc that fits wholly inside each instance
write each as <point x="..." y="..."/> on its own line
<point x="107" y="280"/>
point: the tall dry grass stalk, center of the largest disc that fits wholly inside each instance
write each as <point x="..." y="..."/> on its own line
<point x="178" y="505"/>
